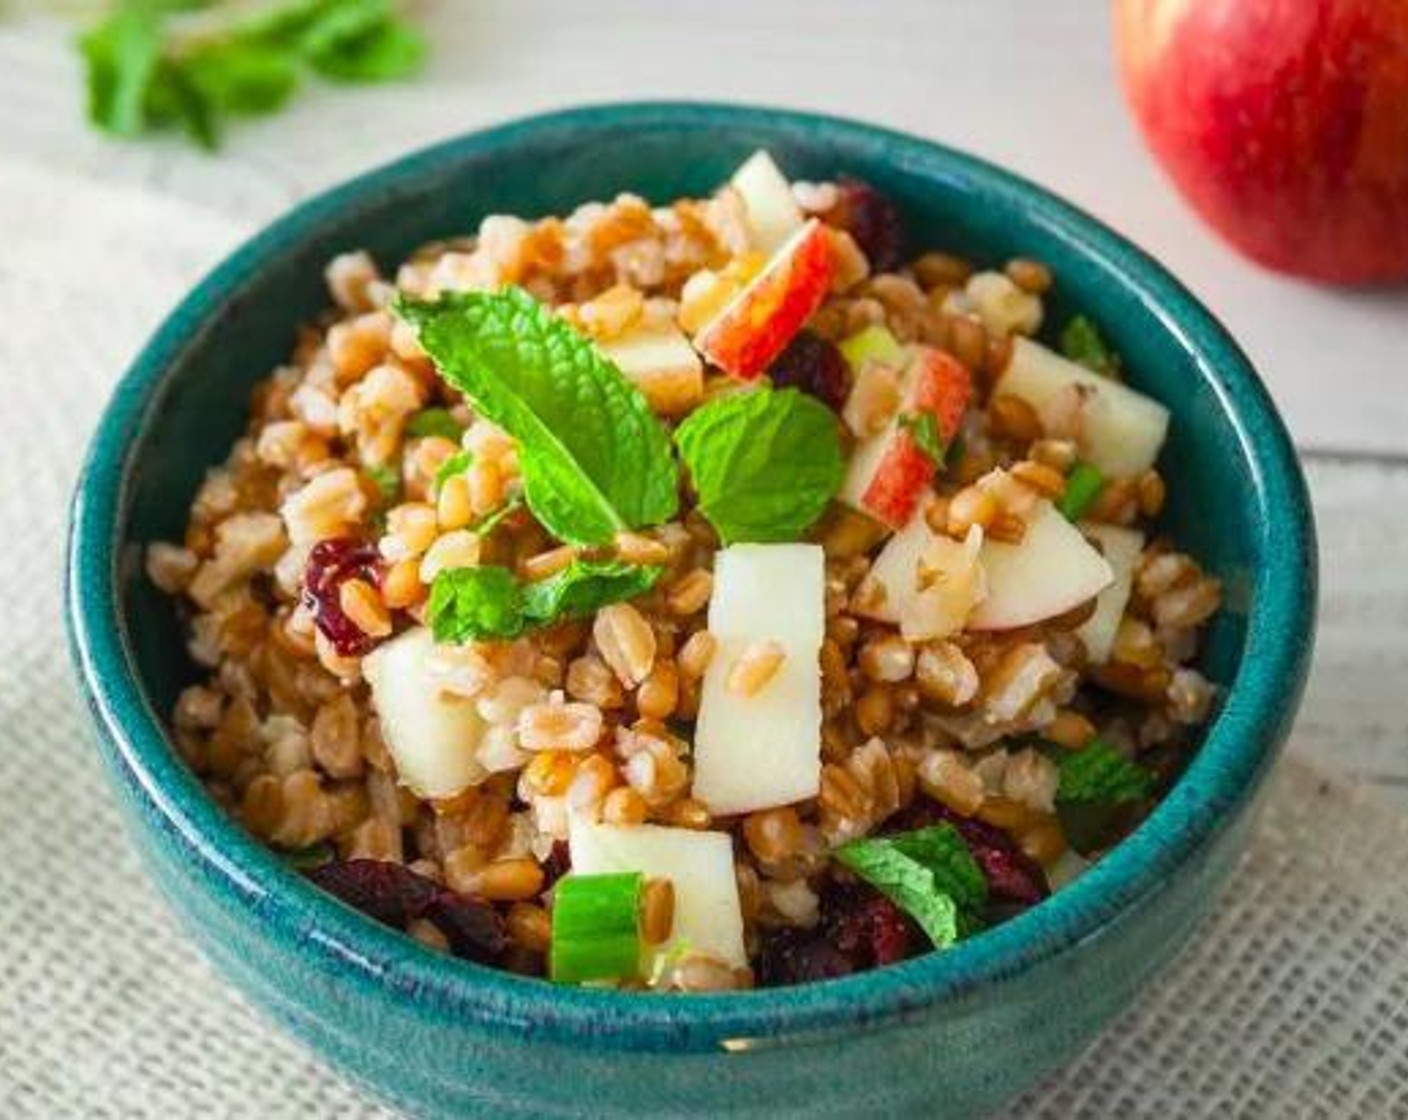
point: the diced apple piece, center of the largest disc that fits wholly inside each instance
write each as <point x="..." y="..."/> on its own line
<point x="1120" y="431"/>
<point x="1122" y="549"/>
<point x="754" y="752"/>
<point x="699" y="865"/>
<point x="888" y="472"/>
<point x="772" y="213"/>
<point x="1051" y="571"/>
<point x="757" y="324"/>
<point x="926" y="583"/>
<point x="939" y="384"/>
<point x="872" y="344"/>
<point x="432" y="736"/>
<point x="663" y="365"/>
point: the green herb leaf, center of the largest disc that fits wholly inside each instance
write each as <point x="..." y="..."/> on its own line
<point x="482" y="603"/>
<point x="454" y="464"/>
<point x="584" y="586"/>
<point x="596" y="927"/>
<point x="434" y="422"/>
<point x="929" y="873"/>
<point x="123" y="54"/>
<point x="1099" y="773"/>
<point x="594" y="458"/>
<point x="923" y="428"/>
<point x="1083" y="486"/>
<point x="305" y="859"/>
<point x="148" y="69"/>
<point x="488" y="602"/>
<point x="1082" y="342"/>
<point x="387" y="477"/>
<point x="765" y="463"/>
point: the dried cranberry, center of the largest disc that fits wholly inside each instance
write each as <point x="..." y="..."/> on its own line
<point x="794" y="956"/>
<point x="874" y="222"/>
<point x="474" y="929"/>
<point x="1012" y="875"/>
<point x="332" y="563"/>
<point x="558" y="863"/>
<point x="866" y="926"/>
<point x="385" y="891"/>
<point x="814" y="365"/>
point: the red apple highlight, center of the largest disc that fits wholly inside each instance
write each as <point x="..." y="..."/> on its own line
<point x="1283" y="122"/>
<point x="761" y="320"/>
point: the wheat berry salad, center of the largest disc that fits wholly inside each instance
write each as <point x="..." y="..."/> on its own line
<point x="694" y="597"/>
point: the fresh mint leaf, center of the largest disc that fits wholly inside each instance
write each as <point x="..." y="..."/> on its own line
<point x="923" y="428"/>
<point x="584" y="586"/>
<point x="241" y="78"/>
<point x="930" y="873"/>
<point x="381" y="53"/>
<point x="594" y="458"/>
<point x="434" y="422"/>
<point x="123" y="55"/>
<point x="765" y="463"/>
<point x="907" y="883"/>
<point x="942" y="849"/>
<point x="148" y="68"/>
<point x="454" y="464"/>
<point x="1082" y="342"/>
<point x="1099" y="773"/>
<point x="483" y="602"/>
<point x="489" y="602"/>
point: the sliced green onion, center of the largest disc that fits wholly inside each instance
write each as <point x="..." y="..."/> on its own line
<point x="596" y="928"/>
<point x="871" y="344"/>
<point x="434" y="422"/>
<point x="1083" y="486"/>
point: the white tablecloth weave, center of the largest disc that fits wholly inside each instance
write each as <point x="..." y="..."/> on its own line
<point x="1292" y="1003"/>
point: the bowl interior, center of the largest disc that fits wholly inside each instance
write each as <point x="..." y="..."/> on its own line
<point x="1230" y="471"/>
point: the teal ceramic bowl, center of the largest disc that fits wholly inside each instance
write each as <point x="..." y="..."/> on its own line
<point x="949" y="1034"/>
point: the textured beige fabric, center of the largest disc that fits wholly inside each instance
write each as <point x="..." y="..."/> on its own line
<point x="1291" y="1004"/>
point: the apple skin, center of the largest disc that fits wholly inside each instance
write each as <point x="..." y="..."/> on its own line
<point x="1283" y="122"/>
<point x="756" y="326"/>
<point x="899" y="481"/>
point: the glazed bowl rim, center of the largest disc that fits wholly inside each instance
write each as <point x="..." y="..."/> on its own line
<point x="340" y="942"/>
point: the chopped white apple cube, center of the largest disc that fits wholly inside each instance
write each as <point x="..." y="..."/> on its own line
<point x="662" y="364"/>
<point x="758" y="751"/>
<point x="771" y="212"/>
<point x="1121" y="549"/>
<point x="433" y="736"/>
<point x="1118" y="430"/>
<point x="926" y="583"/>
<point x="1053" y="570"/>
<point x="699" y="865"/>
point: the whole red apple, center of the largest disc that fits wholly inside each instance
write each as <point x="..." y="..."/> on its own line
<point x="1284" y="123"/>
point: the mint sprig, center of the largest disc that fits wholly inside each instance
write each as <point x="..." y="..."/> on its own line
<point x="489" y="602"/>
<point x="765" y="463"/>
<point x="595" y="460"/>
<point x="160" y="64"/>
<point x="929" y="873"/>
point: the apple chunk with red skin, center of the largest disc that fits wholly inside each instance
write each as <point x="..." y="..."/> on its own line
<point x="888" y="471"/>
<point x="758" y="323"/>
